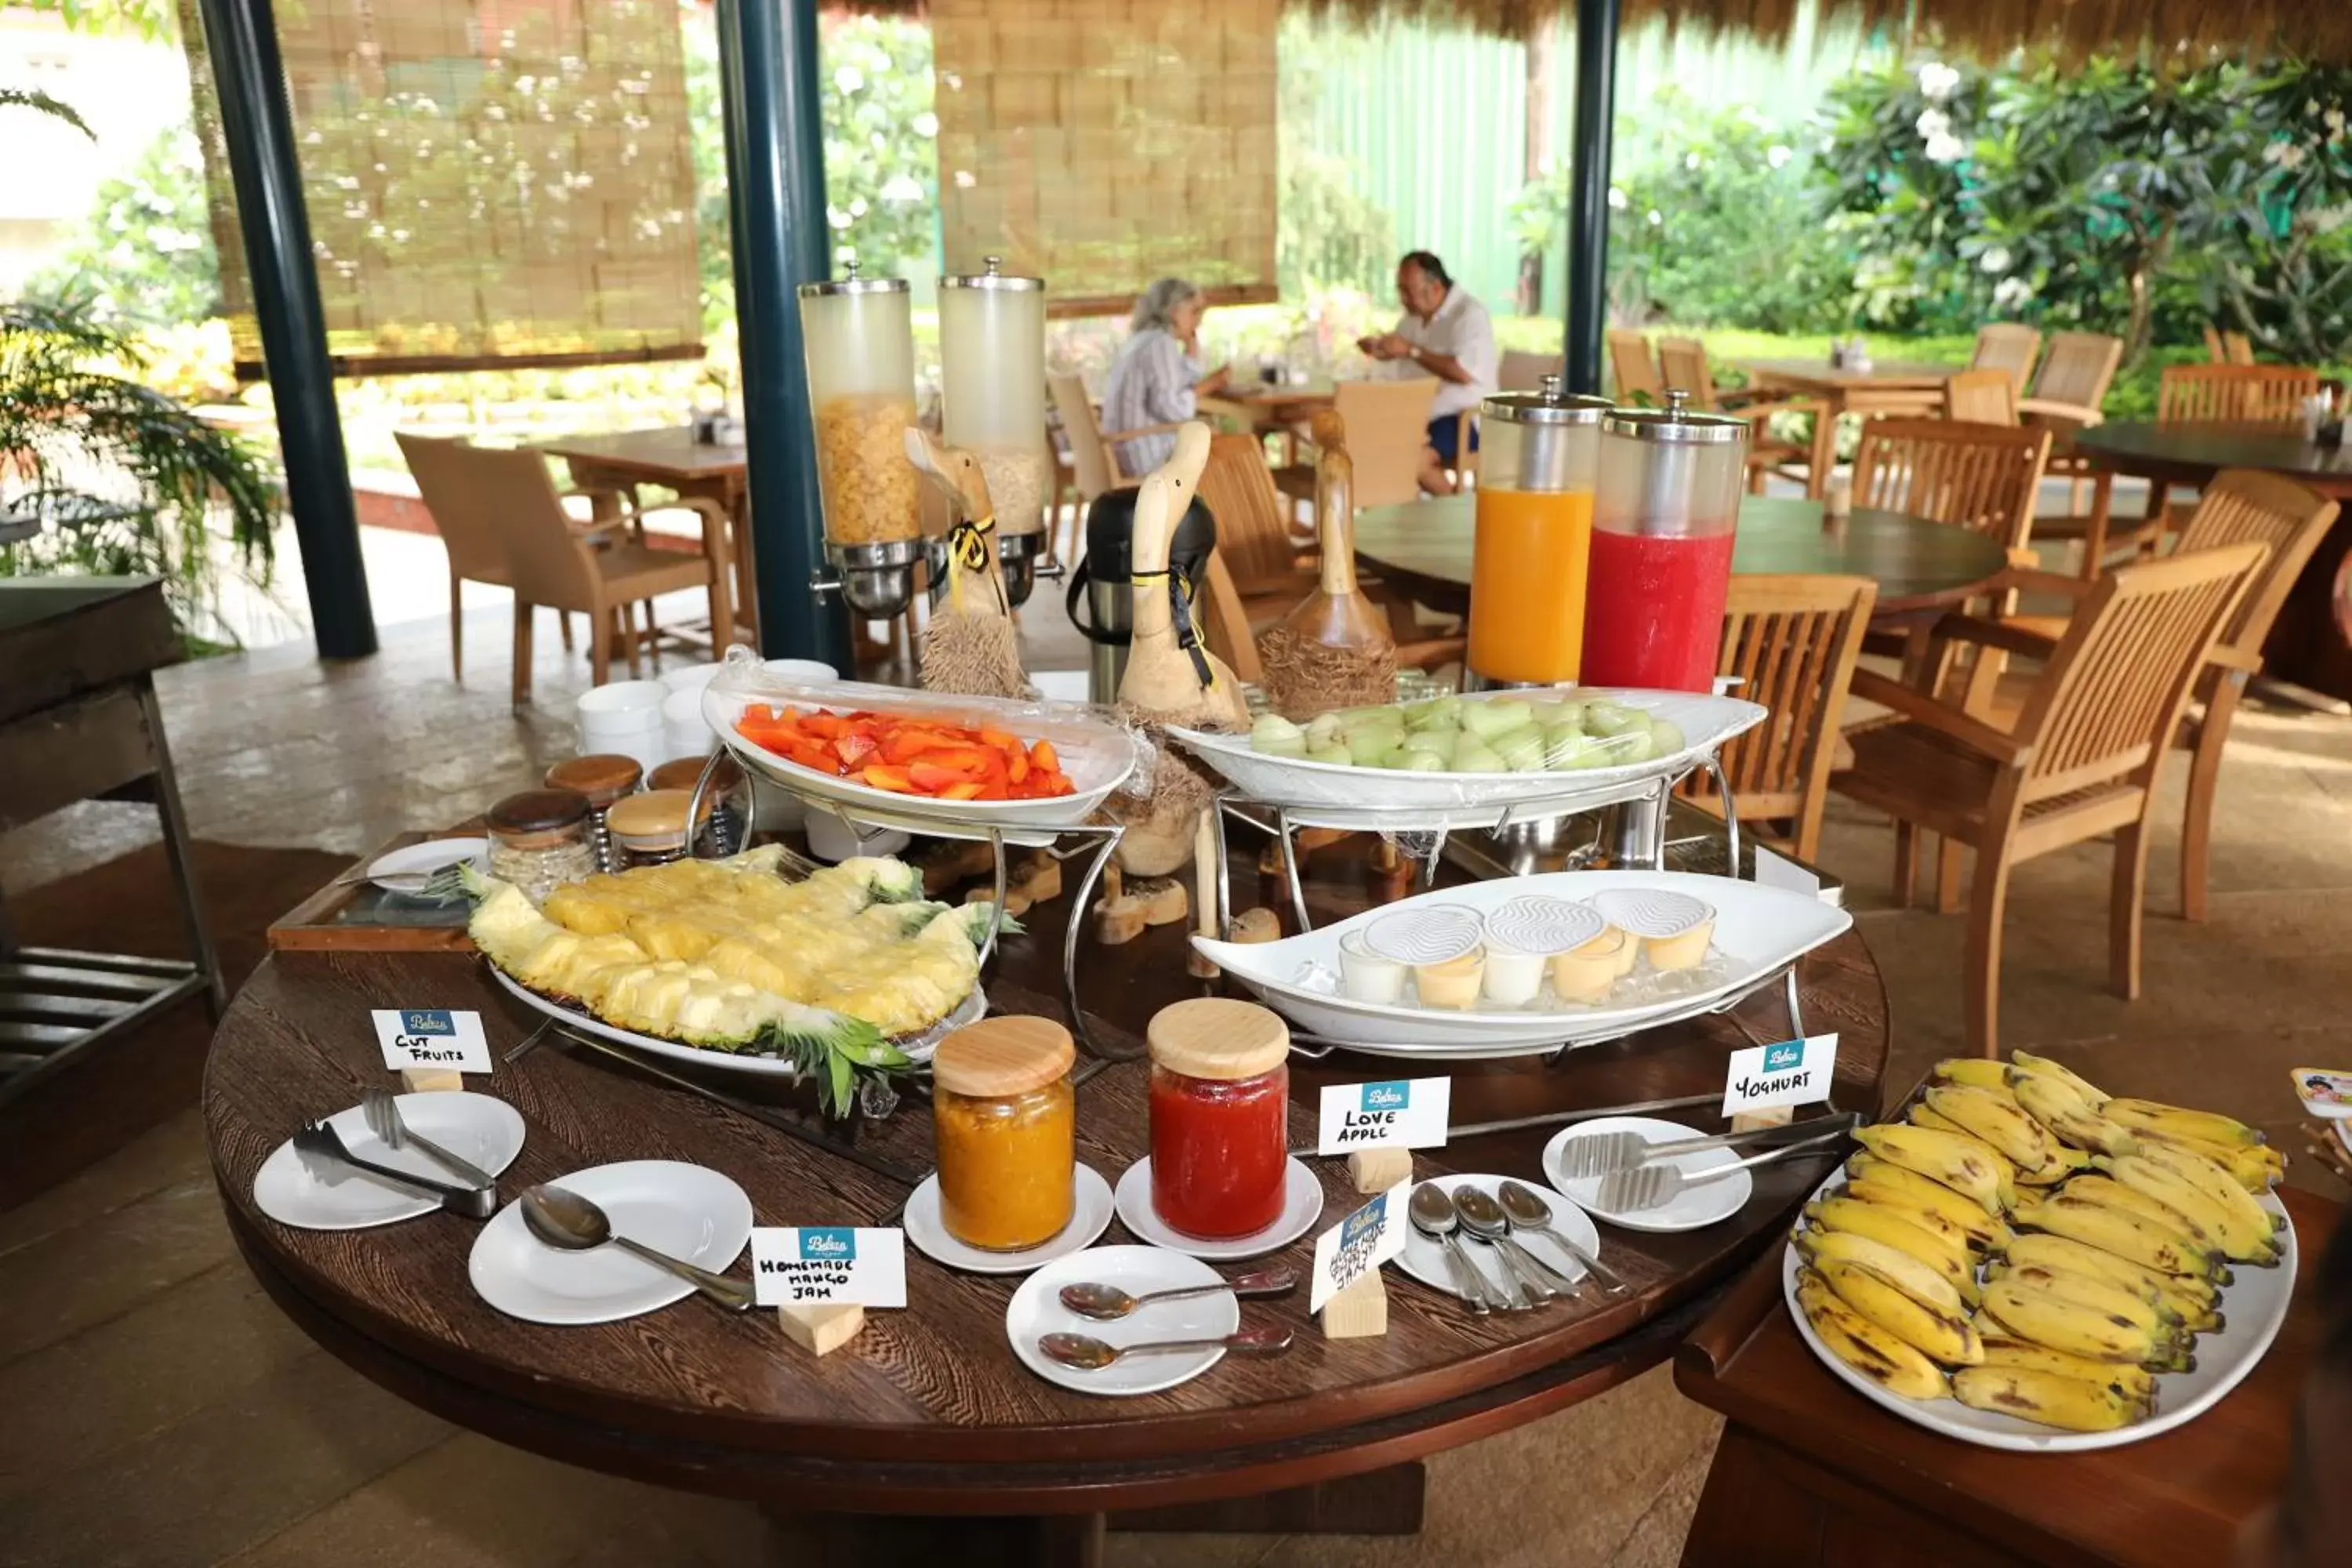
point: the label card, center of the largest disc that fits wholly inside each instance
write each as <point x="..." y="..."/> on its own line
<point x="431" y="1037"/>
<point x="1401" y="1113"/>
<point x="817" y="1264"/>
<point x="1358" y="1245"/>
<point x="1779" y="872"/>
<point x="1794" y="1072"/>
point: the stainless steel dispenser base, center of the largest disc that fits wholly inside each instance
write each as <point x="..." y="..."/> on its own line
<point x="878" y="580"/>
<point x="1024" y="560"/>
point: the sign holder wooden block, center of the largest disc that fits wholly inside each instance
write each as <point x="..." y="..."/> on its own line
<point x="1378" y="1170"/>
<point x="1359" y="1312"/>
<point x="822" y="1328"/>
<point x="430" y="1080"/>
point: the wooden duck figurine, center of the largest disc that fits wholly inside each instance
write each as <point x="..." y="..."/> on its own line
<point x="971" y="645"/>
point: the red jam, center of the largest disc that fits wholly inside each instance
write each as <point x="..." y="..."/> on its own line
<point x="1219" y="1149"/>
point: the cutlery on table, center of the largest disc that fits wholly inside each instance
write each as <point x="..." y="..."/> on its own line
<point x="1106" y="1303"/>
<point x="438" y="885"/>
<point x="1598" y="1153"/>
<point x="1654" y="1186"/>
<point x="383" y="1119"/>
<point x="318" y="1143"/>
<point x="1529" y="1212"/>
<point x="1088" y="1353"/>
<point x="565" y="1220"/>
<point x="1433" y="1214"/>
<point x="1483" y="1217"/>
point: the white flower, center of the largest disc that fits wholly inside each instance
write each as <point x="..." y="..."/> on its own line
<point x="965" y="179"/>
<point x="1690" y="160"/>
<point x="858" y="206"/>
<point x="1946" y="150"/>
<point x="1616" y="199"/>
<point x="2011" y="293"/>
<point x="848" y="80"/>
<point x="1656" y="217"/>
<point x="1778" y="155"/>
<point x="901" y="189"/>
<point x="1932" y="124"/>
<point x="2334" y="121"/>
<point x="926" y="123"/>
<point x="1995" y="258"/>
<point x="2328" y="220"/>
<point x="1938" y="81"/>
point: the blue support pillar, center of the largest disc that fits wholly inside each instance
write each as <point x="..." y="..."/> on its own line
<point x="241" y="38"/>
<point x="775" y="178"/>
<point x="1588" y="190"/>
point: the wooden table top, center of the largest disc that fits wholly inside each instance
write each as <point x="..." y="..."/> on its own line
<point x="2173" y="1502"/>
<point x="1820" y="373"/>
<point x="671" y="453"/>
<point x="2196" y="449"/>
<point x="1425" y="547"/>
<point x="928" y="1409"/>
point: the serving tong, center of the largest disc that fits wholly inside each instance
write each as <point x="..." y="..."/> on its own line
<point x="1654" y="1186"/>
<point x="1604" y="1154"/>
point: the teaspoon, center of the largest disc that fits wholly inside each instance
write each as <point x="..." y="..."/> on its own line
<point x="1105" y="1303"/>
<point x="1088" y="1353"/>
<point x="1529" y="1212"/>
<point x="1483" y="1217"/>
<point x="1433" y="1215"/>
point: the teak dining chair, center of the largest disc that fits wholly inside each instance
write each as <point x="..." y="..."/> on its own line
<point x="2228" y="348"/>
<point x="2009" y="346"/>
<point x="2253" y="394"/>
<point x="1792" y="640"/>
<point x="1987" y="397"/>
<point x="1523" y="371"/>
<point x="1388" y="429"/>
<point x="1634" y="367"/>
<point x="2069" y="394"/>
<point x="2081" y="763"/>
<point x="1094" y="460"/>
<point x="1682" y="363"/>
<point x="1262" y="556"/>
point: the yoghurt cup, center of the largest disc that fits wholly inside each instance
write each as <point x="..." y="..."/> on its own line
<point x="1365" y="976"/>
<point x="1513" y="977"/>
<point x="1673" y="928"/>
<point x="1453" y="985"/>
<point x="1684" y="952"/>
<point x="1586" y="973"/>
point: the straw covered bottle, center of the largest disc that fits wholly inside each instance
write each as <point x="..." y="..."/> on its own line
<point x="1334" y="649"/>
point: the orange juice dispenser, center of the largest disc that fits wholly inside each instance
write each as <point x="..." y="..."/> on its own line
<point x="1665" y="515"/>
<point x="1539" y="453"/>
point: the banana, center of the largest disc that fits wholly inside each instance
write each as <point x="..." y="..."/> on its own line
<point x="1934" y="1120"/>
<point x="2257" y="1167"/>
<point x="1980" y="1071"/>
<point x="2048" y="1398"/>
<point x="1963" y="1164"/>
<point x="2090" y="1093"/>
<point x="1944" y="1337"/>
<point x="2118" y="1231"/>
<point x="1927" y="1282"/>
<point x="2066" y="1159"/>
<point x="1995" y="1116"/>
<point x="2144" y="1203"/>
<point x="1864" y="1346"/>
<point x="2131" y="1382"/>
<point x="2054" y="1103"/>
<point x="2230" y="1221"/>
<point x="2063" y="1324"/>
<point x="1916" y="1232"/>
<point x="2193" y="1299"/>
<point x="2205" y="1126"/>
<point x="1874" y="1181"/>
<point x="2114" y="1300"/>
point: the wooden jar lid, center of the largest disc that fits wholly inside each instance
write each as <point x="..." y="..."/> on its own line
<point x="657" y="814"/>
<point x="538" y="811"/>
<point x="685" y="773"/>
<point x="1000" y="1057"/>
<point x="1217" y="1037"/>
<point x="603" y="777"/>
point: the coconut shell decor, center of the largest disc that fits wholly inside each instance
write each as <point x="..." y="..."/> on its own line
<point x="1334" y="648"/>
<point x="971" y="646"/>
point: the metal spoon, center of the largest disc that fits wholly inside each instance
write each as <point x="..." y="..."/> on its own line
<point x="1088" y="1353"/>
<point x="383" y="1119"/>
<point x="1433" y="1215"/>
<point x="1483" y="1217"/>
<point x="1106" y="1303"/>
<point x="571" y="1223"/>
<point x="1529" y="1212"/>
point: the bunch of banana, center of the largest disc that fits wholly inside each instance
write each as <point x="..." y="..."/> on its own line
<point x="1875" y="1181"/>
<point x="2200" y="1198"/>
<point x="2043" y="1067"/>
<point x="2051" y="1398"/>
<point x="2195" y="1300"/>
<point x="2134" y="1383"/>
<point x="1966" y="1164"/>
<point x="2126" y="1235"/>
<point x="1863" y="1345"/>
<point x="1902" y="1253"/>
<point x="2031" y="1309"/>
<point x="1932" y="1322"/>
<point x="2054" y="1103"/>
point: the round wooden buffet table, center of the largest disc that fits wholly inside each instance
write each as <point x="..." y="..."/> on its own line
<point x="926" y="1412"/>
<point x="1424" y="549"/>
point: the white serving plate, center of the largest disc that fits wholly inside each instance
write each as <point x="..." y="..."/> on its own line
<point x="1323" y="794"/>
<point x="1424" y="1260"/>
<point x="927" y="1228"/>
<point x="970" y="1010"/>
<point x="1694" y="1209"/>
<point x="1036" y="1311"/>
<point x="688" y="1210"/>
<point x="1757" y="932"/>
<point x="1096" y="753"/>
<point x="2252" y="1309"/>
<point x="478" y="1127"/>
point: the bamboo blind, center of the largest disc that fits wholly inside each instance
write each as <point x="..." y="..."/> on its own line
<point x="1102" y="144"/>
<point x="490" y="182"/>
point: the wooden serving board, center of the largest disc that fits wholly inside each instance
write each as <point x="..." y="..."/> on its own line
<point x="360" y="916"/>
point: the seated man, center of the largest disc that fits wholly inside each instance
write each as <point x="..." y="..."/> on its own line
<point x="1446" y="333"/>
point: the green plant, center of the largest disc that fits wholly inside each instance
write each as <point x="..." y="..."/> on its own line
<point x="144" y="253"/>
<point x="1328" y="234"/>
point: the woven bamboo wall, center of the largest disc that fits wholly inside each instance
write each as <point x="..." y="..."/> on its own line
<point x="490" y="182"/>
<point x="1102" y="144"/>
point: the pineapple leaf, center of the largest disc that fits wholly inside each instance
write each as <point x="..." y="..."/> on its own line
<point x="975" y="922"/>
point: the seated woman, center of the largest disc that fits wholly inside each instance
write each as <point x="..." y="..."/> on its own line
<point x="1158" y="373"/>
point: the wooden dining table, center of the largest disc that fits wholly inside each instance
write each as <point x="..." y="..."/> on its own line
<point x="1885" y="386"/>
<point x="1266" y="409"/>
<point x="927" y="1416"/>
<point x="1424" y="549"/>
<point x="670" y="457"/>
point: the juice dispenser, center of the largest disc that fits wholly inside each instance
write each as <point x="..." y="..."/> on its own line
<point x="1535" y="515"/>
<point x="860" y="343"/>
<point x="1664" y="519"/>
<point x="992" y="360"/>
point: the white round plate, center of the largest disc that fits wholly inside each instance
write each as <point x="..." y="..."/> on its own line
<point x="688" y="1210"/>
<point x="476" y="1127"/>
<point x="1425" y="1259"/>
<point x="1697" y="1207"/>
<point x="1036" y="1311"/>
<point x="2252" y="1308"/>
<point x="928" y="1232"/>
<point x="1302" y="1206"/>
<point x="403" y="870"/>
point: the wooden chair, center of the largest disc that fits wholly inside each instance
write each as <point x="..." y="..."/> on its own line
<point x="1523" y="371"/>
<point x="1388" y="429"/>
<point x="2262" y="393"/>
<point x="1682" y="363"/>
<point x="2081" y="763"/>
<point x="2009" y="346"/>
<point x="1228" y="629"/>
<point x="1094" y="461"/>
<point x="1987" y="397"/>
<point x="1263" y="558"/>
<point x="1635" y="368"/>
<point x="2068" y="394"/>
<point x="1794" y="640"/>
<point x="509" y="494"/>
<point x="2228" y="348"/>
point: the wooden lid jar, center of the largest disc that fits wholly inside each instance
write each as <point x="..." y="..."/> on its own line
<point x="1218" y="1038"/>
<point x="603" y="777"/>
<point x="1004" y="1128"/>
<point x="1220" y="1117"/>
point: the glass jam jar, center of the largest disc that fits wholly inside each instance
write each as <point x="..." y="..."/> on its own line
<point x="604" y="778"/>
<point x="723" y="831"/>
<point x="649" y="829"/>
<point x="1220" y="1116"/>
<point x="539" y="841"/>
<point x="1004" y="1126"/>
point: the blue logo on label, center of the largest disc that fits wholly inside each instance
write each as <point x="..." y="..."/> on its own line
<point x="1387" y="1096"/>
<point x="830" y="1243"/>
<point x="1364" y="1221"/>
<point x="1786" y="1054"/>
<point x="430" y="1021"/>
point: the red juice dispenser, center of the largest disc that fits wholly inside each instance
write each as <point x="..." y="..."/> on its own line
<point x="1664" y="513"/>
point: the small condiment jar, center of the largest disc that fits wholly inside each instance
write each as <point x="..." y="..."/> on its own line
<point x="539" y="840"/>
<point x="649" y="829"/>
<point x="604" y="777"/>
<point x="722" y="831"/>
<point x="1004" y="1128"/>
<point x="1220" y="1116"/>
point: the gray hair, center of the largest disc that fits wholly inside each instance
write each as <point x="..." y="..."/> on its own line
<point x="1157" y="306"/>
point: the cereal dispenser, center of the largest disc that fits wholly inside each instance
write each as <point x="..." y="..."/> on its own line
<point x="993" y="362"/>
<point x="860" y="343"/>
<point x="1664" y="521"/>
